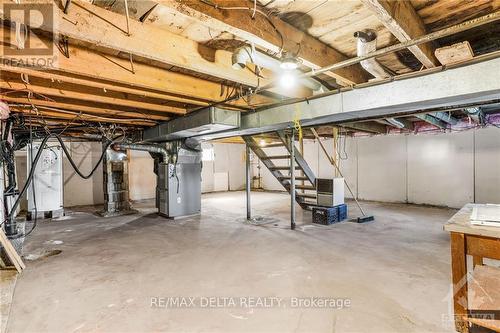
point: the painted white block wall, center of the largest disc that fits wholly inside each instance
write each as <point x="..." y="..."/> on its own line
<point x="382" y="168"/>
<point x="487" y="165"/>
<point x="141" y="176"/>
<point x="441" y="169"/>
<point x="79" y="191"/>
<point x="437" y="169"/>
<point x="227" y="171"/>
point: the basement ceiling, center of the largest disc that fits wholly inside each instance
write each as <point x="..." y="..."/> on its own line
<point x="97" y="83"/>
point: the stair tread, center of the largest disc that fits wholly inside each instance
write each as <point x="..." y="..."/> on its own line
<point x="271" y="145"/>
<point x="283" y="168"/>
<point x="306" y="195"/>
<point x="277" y="157"/>
<point x="305" y="187"/>
<point x="296" y="178"/>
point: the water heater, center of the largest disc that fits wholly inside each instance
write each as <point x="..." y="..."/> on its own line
<point x="47" y="181"/>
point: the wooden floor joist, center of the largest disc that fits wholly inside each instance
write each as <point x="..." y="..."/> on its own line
<point x="89" y="97"/>
<point x="75" y="117"/>
<point x="90" y="68"/>
<point x="81" y="108"/>
<point x="405" y="24"/>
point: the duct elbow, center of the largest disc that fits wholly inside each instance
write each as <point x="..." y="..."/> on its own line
<point x="155" y="149"/>
<point x="240" y="57"/>
<point x="367" y="43"/>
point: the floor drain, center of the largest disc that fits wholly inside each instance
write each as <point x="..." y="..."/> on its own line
<point x="42" y="254"/>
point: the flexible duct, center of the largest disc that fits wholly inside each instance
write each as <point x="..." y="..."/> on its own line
<point x="149" y="148"/>
<point x="367" y="43"/>
<point x="245" y="54"/>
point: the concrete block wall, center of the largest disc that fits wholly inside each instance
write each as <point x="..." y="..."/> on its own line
<point x="226" y="172"/>
<point x="438" y="169"/>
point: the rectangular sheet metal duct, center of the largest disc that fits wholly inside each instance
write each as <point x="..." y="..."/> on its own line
<point x="207" y="121"/>
<point x="478" y="83"/>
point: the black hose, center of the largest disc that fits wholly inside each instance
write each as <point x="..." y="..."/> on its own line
<point x="35" y="162"/>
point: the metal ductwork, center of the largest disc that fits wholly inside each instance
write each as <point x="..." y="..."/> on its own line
<point x="367" y="43"/>
<point x="422" y="92"/>
<point x="206" y="121"/>
<point x="154" y="149"/>
<point x="396" y="123"/>
<point x="245" y="54"/>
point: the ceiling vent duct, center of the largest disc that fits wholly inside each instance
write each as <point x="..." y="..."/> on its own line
<point x="367" y="43"/>
<point x="206" y="121"/>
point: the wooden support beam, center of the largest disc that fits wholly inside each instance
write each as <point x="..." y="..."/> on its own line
<point x="81" y="108"/>
<point x="370" y="127"/>
<point x="112" y="73"/>
<point x="99" y="27"/>
<point x="405" y="24"/>
<point x="268" y="33"/>
<point x="60" y="116"/>
<point x="56" y="90"/>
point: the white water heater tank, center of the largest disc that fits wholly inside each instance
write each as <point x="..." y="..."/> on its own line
<point x="48" y="178"/>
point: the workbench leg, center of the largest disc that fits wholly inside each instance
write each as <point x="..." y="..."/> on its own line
<point x="476" y="260"/>
<point x="459" y="278"/>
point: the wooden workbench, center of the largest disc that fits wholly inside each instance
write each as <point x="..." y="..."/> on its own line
<point x="479" y="242"/>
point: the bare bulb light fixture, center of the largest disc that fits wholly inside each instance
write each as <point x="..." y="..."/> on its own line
<point x="289" y="62"/>
<point x="287" y="80"/>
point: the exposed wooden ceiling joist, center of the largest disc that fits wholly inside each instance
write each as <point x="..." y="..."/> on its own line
<point x="370" y="127"/>
<point x="267" y="32"/>
<point x="405" y="24"/>
<point x="57" y="90"/>
<point x="67" y="105"/>
<point x="94" y="25"/>
<point x="114" y="74"/>
<point x="54" y="116"/>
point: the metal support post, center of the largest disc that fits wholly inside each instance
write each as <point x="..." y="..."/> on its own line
<point x="292" y="178"/>
<point x="248" y="182"/>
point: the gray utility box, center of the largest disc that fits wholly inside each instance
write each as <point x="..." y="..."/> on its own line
<point x="178" y="189"/>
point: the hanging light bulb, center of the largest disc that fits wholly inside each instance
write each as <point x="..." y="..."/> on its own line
<point x="288" y="80"/>
<point x="289" y="62"/>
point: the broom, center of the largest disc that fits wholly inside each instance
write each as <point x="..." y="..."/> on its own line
<point x="360" y="219"/>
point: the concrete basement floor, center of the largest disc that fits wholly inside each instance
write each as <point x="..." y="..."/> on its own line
<point x="394" y="271"/>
